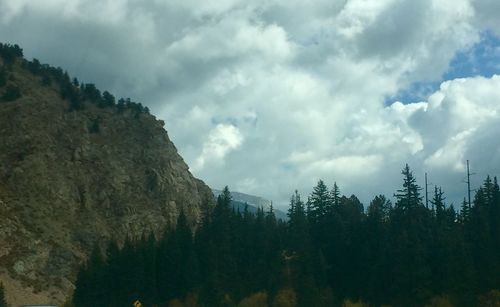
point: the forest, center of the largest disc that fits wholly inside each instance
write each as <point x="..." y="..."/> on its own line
<point x="330" y="252"/>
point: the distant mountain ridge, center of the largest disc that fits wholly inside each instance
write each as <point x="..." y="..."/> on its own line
<point x="240" y="200"/>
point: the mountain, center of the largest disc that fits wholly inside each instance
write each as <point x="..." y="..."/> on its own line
<point x="240" y="200"/>
<point x="78" y="169"/>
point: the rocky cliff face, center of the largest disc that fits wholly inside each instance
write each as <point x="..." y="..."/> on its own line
<point x="69" y="179"/>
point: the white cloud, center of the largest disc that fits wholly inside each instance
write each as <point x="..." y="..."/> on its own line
<point x="452" y="153"/>
<point x="270" y="96"/>
<point x="487" y="14"/>
<point x="221" y="141"/>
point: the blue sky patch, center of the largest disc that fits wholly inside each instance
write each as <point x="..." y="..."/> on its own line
<point x="482" y="59"/>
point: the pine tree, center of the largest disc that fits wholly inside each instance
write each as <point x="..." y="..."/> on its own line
<point x="438" y="203"/>
<point x="464" y="212"/>
<point x="113" y="272"/>
<point x="3" y="77"/>
<point x="82" y="288"/>
<point x="164" y="265"/>
<point x="335" y="197"/>
<point x="298" y="257"/>
<point x="409" y="197"/>
<point x="11" y="93"/>
<point x="3" y="302"/>
<point x="320" y="201"/>
<point x="410" y="231"/>
<point x="376" y="262"/>
<point x="221" y="232"/>
<point x="96" y="270"/>
<point x="188" y="262"/>
<point x="378" y="210"/>
<point x="147" y="255"/>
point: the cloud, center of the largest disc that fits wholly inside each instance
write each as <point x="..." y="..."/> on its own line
<point x="221" y="141"/>
<point x="486" y="12"/>
<point x="458" y="123"/>
<point x="269" y="96"/>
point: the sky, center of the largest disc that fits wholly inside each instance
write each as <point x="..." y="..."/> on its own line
<point x="270" y="96"/>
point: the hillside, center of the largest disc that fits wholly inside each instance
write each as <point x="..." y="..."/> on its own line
<point x="77" y="168"/>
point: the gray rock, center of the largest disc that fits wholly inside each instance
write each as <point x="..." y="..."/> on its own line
<point x="63" y="189"/>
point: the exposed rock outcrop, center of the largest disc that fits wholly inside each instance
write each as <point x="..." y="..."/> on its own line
<point x="69" y="179"/>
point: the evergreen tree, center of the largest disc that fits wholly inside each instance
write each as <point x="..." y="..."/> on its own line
<point x="224" y="270"/>
<point x="410" y="235"/>
<point x="188" y="262"/>
<point x="113" y="274"/>
<point x="299" y="259"/>
<point x="464" y="212"/>
<point x="10" y="53"/>
<point x="3" y="302"/>
<point x="376" y="262"/>
<point x="401" y="256"/>
<point x="438" y="203"/>
<point x="82" y="288"/>
<point x="147" y="256"/>
<point x="3" y="77"/>
<point x="408" y="197"/>
<point x="319" y="202"/>
<point x="165" y="266"/>
<point x="11" y="93"/>
<point x="108" y="100"/>
<point x="90" y="282"/>
<point x="335" y="195"/>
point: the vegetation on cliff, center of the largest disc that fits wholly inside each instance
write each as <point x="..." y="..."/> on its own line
<point x="76" y="169"/>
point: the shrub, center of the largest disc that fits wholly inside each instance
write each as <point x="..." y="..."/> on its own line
<point x="439" y="301"/>
<point x="349" y="303"/>
<point x="258" y="299"/>
<point x="12" y="93"/>
<point x="490" y="299"/>
<point x="175" y="303"/>
<point x="285" y="298"/>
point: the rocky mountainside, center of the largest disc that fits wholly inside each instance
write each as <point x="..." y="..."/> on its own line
<point x="73" y="176"/>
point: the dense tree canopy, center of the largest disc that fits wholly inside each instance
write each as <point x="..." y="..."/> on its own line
<point x="329" y="251"/>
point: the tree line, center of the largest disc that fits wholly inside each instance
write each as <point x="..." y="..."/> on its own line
<point x="331" y="251"/>
<point x="75" y="92"/>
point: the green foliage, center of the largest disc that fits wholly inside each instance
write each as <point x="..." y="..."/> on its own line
<point x="439" y="301"/>
<point x="11" y="93"/>
<point x="9" y="53"/>
<point x="490" y="299"/>
<point x="94" y="126"/>
<point x="3" y="77"/>
<point x="285" y="298"/>
<point x="258" y="299"/>
<point x="108" y="100"/>
<point x="76" y="93"/>
<point x="350" y="303"/>
<point x="333" y="254"/>
<point x="408" y="197"/>
<point x="46" y="81"/>
<point x="3" y="302"/>
<point x="319" y="202"/>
